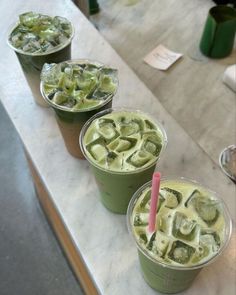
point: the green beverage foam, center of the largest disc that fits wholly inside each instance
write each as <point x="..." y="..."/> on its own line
<point x="190" y="223"/>
<point x="123" y="141"/>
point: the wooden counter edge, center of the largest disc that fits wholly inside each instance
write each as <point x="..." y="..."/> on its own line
<point x="62" y="234"/>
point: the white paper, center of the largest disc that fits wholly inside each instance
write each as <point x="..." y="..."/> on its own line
<point x="162" y="58"/>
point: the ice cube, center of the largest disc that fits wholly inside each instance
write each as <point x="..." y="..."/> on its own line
<point x="207" y="209"/>
<point x="84" y="104"/>
<point x="92" y="69"/>
<point x="181" y="252"/>
<point x="195" y="194"/>
<point x="111" y="156"/>
<point x="46" y="46"/>
<point x="107" y="130"/>
<point x="89" y="74"/>
<point x="210" y="239"/>
<point x="122" y="144"/>
<point x="50" y="90"/>
<point x="79" y="95"/>
<point x="59" y="20"/>
<point x="31" y="46"/>
<point x="139" y="158"/>
<point x="183" y="227"/>
<point x="150" y="243"/>
<point x="97" y="149"/>
<point x="30" y="37"/>
<point x="99" y="95"/>
<point x="130" y="126"/>
<point x="143" y="238"/>
<point x="151" y="143"/>
<point x="69" y="86"/>
<point x="77" y="70"/>
<point x="141" y="219"/>
<point x="68" y="70"/>
<point x="107" y="85"/>
<point x="160" y="244"/>
<point x="105" y="121"/>
<point x="59" y="98"/>
<point x="88" y="85"/>
<point x="145" y="203"/>
<point x="29" y="19"/>
<point x="110" y="72"/>
<point x="172" y="197"/>
<point x="165" y="222"/>
<point x="50" y="35"/>
<point x="149" y="125"/>
<point x="16" y="39"/>
<point x="146" y="199"/>
<point x="201" y="252"/>
<point x="49" y="73"/>
<point x="150" y="147"/>
<point x="70" y="103"/>
<point x="160" y="201"/>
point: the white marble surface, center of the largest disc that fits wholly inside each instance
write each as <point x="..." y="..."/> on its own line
<point x="191" y="91"/>
<point x="100" y="236"/>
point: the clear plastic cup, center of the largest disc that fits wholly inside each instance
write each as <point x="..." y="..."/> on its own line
<point x="117" y="187"/>
<point x="32" y="63"/>
<point x="166" y="277"/>
<point x="70" y="122"/>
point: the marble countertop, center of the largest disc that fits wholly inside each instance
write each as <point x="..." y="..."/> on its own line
<point x="191" y="91"/>
<point x="101" y="237"/>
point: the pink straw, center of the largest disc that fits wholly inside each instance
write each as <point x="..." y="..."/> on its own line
<point x="156" y="178"/>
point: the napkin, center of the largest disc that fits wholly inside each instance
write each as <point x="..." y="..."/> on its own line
<point x="229" y="77"/>
<point x="162" y="58"/>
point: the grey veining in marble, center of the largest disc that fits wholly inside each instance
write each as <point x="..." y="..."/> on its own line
<point x="100" y="236"/>
<point x="191" y="91"/>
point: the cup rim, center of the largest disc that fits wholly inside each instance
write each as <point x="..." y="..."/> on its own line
<point x="109" y="97"/>
<point x="110" y="110"/>
<point x="56" y="49"/>
<point x="222" y="8"/>
<point x="227" y="217"/>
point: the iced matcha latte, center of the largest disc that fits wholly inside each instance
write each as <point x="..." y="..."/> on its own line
<point x="77" y="90"/>
<point x="38" y="39"/>
<point x="192" y="228"/>
<point x="123" y="147"/>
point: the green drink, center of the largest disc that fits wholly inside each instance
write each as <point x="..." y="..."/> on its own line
<point x="77" y="90"/>
<point x="38" y="39"/>
<point x="193" y="227"/>
<point x="122" y="147"/>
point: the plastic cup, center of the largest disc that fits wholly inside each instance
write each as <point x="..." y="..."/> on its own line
<point x="169" y="278"/>
<point x="71" y="122"/>
<point x="117" y="187"/>
<point x="32" y="63"/>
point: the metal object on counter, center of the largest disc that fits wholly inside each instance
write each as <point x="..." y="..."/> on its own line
<point x="227" y="161"/>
